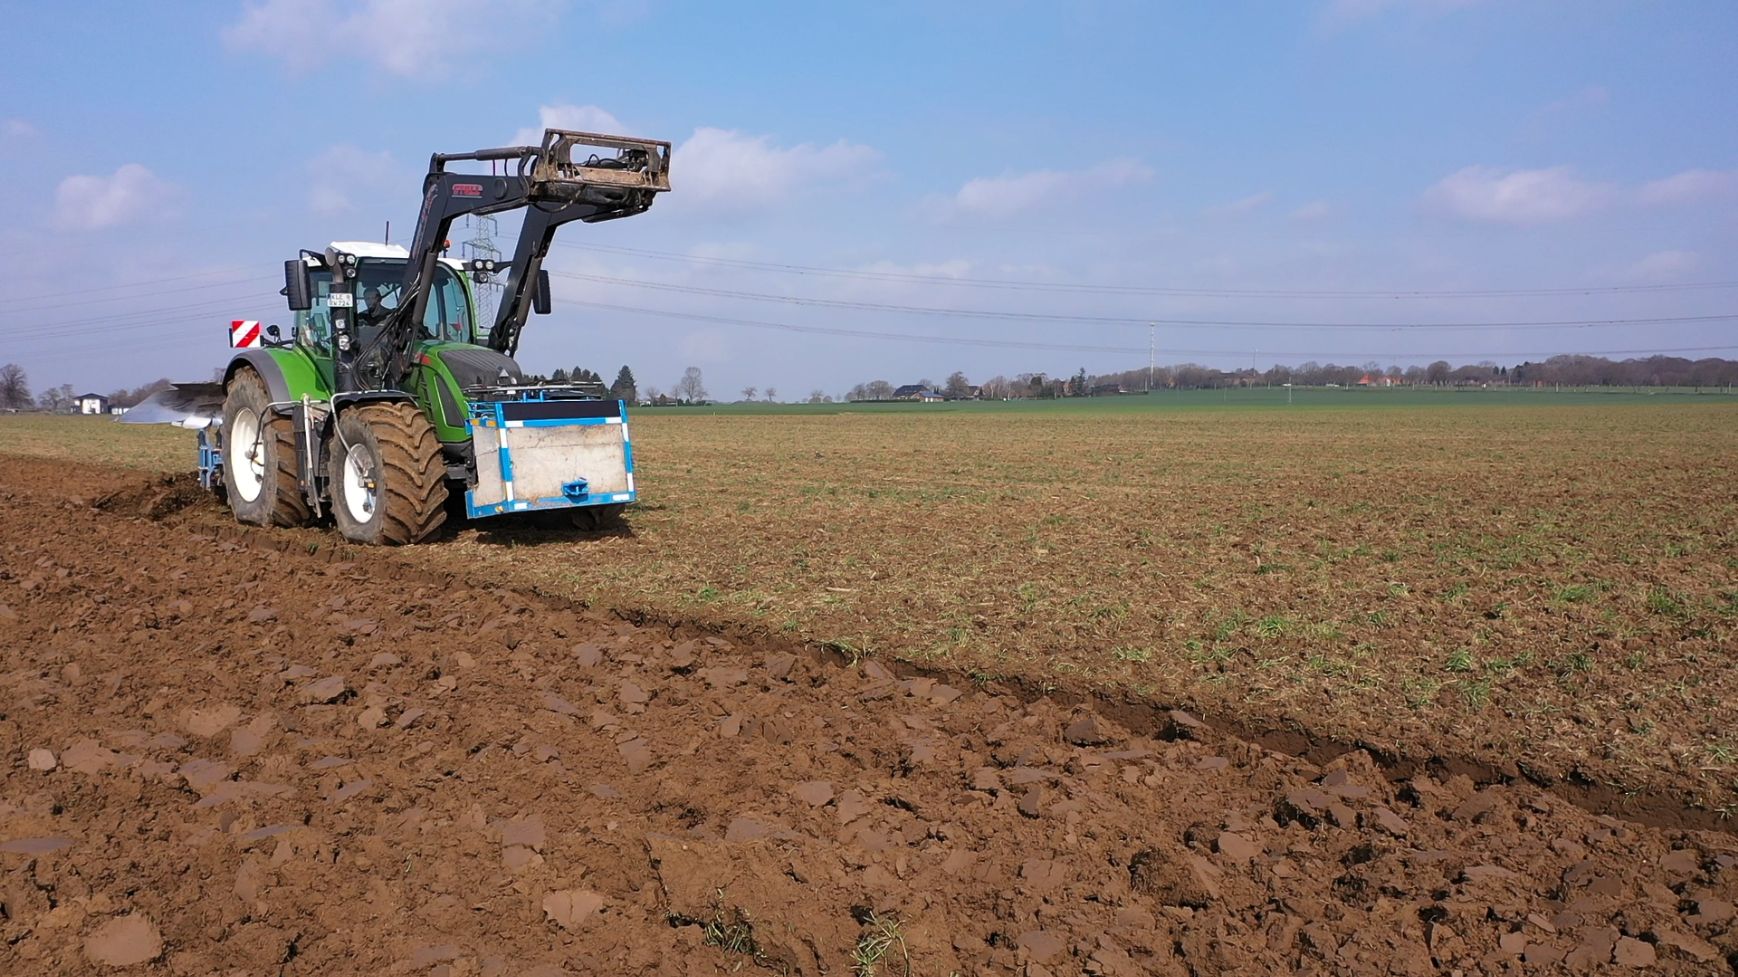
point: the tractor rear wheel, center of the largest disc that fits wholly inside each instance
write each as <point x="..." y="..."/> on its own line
<point x="387" y="474"/>
<point x="262" y="475"/>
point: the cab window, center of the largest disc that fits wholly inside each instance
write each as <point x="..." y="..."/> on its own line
<point x="314" y="325"/>
<point x="448" y="315"/>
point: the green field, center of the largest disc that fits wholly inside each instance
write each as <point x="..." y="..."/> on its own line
<point x="1510" y="576"/>
<point x="1333" y="398"/>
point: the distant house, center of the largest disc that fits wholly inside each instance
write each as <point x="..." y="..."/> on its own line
<point x="92" y="404"/>
<point x="1108" y="389"/>
<point x="1366" y="381"/>
<point x="917" y="391"/>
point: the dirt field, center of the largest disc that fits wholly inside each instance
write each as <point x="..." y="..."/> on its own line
<point x="262" y="753"/>
<point x="1530" y="588"/>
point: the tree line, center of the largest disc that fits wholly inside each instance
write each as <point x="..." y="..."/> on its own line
<point x="624" y="387"/>
<point x="1567" y="370"/>
<point x="15" y="393"/>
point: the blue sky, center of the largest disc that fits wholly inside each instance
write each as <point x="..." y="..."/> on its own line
<point x="1120" y="162"/>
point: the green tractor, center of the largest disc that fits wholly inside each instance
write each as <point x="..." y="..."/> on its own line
<point x="390" y="396"/>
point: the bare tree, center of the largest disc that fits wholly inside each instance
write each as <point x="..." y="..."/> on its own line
<point x="653" y="393"/>
<point x="771" y="394"/>
<point x="879" y="389"/>
<point x="15" y="388"/>
<point x="57" y="399"/>
<point x="749" y="392"/>
<point x="819" y="396"/>
<point x="958" y="388"/>
<point x="691" y="388"/>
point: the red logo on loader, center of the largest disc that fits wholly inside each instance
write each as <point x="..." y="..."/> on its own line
<point x="244" y="334"/>
<point x="467" y="189"/>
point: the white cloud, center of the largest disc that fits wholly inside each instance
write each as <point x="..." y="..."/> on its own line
<point x="1487" y="193"/>
<point x="1664" y="266"/>
<point x="16" y="130"/>
<point x="343" y="171"/>
<point x="722" y="169"/>
<point x="406" y="38"/>
<point x="1691" y="186"/>
<point x="1243" y="205"/>
<point x="1315" y="210"/>
<point x="952" y="268"/>
<point x="579" y="118"/>
<point x="131" y="193"/>
<point x="1005" y="196"/>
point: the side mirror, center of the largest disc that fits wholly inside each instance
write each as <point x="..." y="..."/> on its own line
<point x="540" y="294"/>
<point x="272" y="331"/>
<point x="298" y="287"/>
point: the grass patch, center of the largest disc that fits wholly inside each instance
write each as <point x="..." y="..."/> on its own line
<point x="881" y="942"/>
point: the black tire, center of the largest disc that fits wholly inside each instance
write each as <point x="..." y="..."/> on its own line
<point x="396" y="494"/>
<point x="263" y="464"/>
<point x="595" y="518"/>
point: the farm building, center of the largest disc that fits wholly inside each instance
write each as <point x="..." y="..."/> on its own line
<point x="92" y="404"/>
<point x="1372" y="380"/>
<point x="917" y="391"/>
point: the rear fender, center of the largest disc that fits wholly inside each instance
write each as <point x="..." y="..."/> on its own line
<point x="288" y="374"/>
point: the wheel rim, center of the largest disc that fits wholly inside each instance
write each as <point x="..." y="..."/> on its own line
<point x="359" y="487"/>
<point x="249" y="465"/>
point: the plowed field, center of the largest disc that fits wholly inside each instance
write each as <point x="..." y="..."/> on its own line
<point x="259" y="752"/>
<point x="1523" y="586"/>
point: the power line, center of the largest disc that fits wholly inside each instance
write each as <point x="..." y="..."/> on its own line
<point x="107" y="323"/>
<point x="1131" y="320"/>
<point x="1076" y="348"/>
<point x="54" y="306"/>
<point x="999" y="283"/>
<point x="144" y="284"/>
<point x="858" y="333"/>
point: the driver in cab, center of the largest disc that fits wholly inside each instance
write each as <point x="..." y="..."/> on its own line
<point x="372" y="309"/>
<point x="372" y="314"/>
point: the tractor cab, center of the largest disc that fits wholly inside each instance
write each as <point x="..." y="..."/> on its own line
<point x="449" y="317"/>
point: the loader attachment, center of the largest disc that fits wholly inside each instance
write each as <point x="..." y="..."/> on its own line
<point x="640" y="165"/>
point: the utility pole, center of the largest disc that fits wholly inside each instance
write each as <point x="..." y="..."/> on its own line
<point x="481" y="244"/>
<point x="1152" y="353"/>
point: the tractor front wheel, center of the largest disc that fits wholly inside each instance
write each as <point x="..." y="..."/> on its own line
<point x="261" y="471"/>
<point x="387" y="475"/>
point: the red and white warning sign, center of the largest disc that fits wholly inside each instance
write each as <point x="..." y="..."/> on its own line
<point x="244" y="334"/>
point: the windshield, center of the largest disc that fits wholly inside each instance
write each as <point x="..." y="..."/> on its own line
<point x="379" y="290"/>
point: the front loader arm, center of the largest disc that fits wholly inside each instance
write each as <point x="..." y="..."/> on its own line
<point x="554" y="186"/>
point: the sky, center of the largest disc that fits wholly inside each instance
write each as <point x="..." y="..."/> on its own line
<point x="900" y="190"/>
